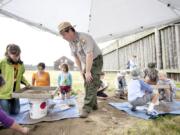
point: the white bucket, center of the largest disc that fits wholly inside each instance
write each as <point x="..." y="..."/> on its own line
<point x="38" y="108"/>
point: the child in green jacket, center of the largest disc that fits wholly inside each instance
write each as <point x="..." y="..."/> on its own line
<point x="7" y="121"/>
<point x="12" y="70"/>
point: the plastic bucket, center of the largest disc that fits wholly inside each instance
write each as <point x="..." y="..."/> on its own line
<point x="38" y="108"/>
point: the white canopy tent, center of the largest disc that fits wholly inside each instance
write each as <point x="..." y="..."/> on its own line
<point x="116" y="18"/>
<point x="47" y="14"/>
<point x="107" y="19"/>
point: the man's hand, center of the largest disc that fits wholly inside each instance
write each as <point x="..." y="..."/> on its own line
<point x="28" y="86"/>
<point x="83" y="75"/>
<point x="88" y="77"/>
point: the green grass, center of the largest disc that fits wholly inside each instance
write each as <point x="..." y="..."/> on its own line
<point x="77" y="79"/>
<point x="167" y="125"/>
<point x="178" y="84"/>
<point x="178" y="92"/>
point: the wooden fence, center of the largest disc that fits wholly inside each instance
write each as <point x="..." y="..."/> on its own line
<point x="160" y="45"/>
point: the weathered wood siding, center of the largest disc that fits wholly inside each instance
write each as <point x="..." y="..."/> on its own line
<point x="158" y="45"/>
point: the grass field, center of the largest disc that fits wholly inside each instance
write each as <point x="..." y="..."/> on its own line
<point x="77" y="79"/>
<point x="168" y="125"/>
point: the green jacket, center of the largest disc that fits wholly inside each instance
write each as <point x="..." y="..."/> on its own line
<point x="7" y="71"/>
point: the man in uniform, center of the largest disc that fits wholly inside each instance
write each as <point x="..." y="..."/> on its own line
<point x="88" y="58"/>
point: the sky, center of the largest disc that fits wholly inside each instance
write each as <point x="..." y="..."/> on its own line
<point x="36" y="45"/>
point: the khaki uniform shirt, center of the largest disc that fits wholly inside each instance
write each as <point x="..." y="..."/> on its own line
<point x="83" y="45"/>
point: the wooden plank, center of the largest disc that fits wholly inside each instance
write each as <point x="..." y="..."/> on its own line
<point x="36" y="93"/>
<point x="150" y="49"/>
<point x="163" y="49"/>
<point x="138" y="53"/>
<point x="175" y="61"/>
<point x="32" y="96"/>
<point x="167" y="48"/>
<point x="177" y="32"/>
<point x="147" y="51"/>
<point x="158" y="48"/>
<point x="127" y="54"/>
<point x="177" y="71"/>
<point x="122" y="55"/>
<point x="117" y="55"/>
<point x="141" y="52"/>
<point x="161" y="86"/>
<point x="39" y="88"/>
<point x="120" y="61"/>
<point x="134" y="48"/>
<point x="170" y="45"/>
<point x="154" y="50"/>
<point x="144" y="53"/>
<point x="124" y="59"/>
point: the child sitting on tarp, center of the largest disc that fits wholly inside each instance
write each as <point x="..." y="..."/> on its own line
<point x="7" y="121"/>
<point x="140" y="93"/>
<point x="151" y="74"/>
<point x="41" y="78"/>
<point x="166" y="94"/>
<point x="12" y="69"/>
<point x="103" y="87"/>
<point x="121" y="85"/>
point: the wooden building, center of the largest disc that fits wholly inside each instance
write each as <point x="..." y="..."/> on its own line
<point x="160" y="45"/>
<point x="62" y="60"/>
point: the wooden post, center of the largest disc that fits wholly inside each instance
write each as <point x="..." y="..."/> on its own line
<point x="170" y="50"/>
<point x="138" y="53"/>
<point x="174" y="51"/>
<point x="141" y="53"/>
<point x="163" y="49"/>
<point x="177" y="33"/>
<point x="117" y="50"/>
<point x="166" y="48"/>
<point x="150" y="49"/>
<point x="154" y="49"/>
<point x="158" y="49"/>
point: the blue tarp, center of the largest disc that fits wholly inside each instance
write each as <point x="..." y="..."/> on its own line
<point x="53" y="114"/>
<point x="163" y="108"/>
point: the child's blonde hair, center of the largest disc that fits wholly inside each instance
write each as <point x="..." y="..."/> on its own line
<point x="161" y="72"/>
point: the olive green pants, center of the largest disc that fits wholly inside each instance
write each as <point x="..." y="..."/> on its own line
<point x="90" y="100"/>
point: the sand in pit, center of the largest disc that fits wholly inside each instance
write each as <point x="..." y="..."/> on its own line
<point x="36" y="92"/>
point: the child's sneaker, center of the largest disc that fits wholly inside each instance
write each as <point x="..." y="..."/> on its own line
<point x="152" y="113"/>
<point x="133" y="109"/>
